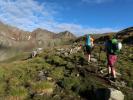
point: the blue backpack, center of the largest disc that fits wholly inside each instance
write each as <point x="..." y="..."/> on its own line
<point x="88" y="41"/>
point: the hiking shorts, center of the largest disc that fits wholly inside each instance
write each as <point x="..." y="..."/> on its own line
<point x="88" y="49"/>
<point x="111" y="60"/>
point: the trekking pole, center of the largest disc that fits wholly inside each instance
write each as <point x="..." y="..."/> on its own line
<point x="100" y="53"/>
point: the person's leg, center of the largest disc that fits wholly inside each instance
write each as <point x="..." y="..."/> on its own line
<point x="88" y="53"/>
<point x="108" y="64"/>
<point x="109" y="69"/>
<point x="89" y="57"/>
<point x="113" y="72"/>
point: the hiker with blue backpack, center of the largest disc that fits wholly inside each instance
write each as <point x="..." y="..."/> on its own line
<point x="112" y="47"/>
<point x="89" y="46"/>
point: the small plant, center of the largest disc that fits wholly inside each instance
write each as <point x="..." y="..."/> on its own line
<point x="56" y="60"/>
<point x="18" y="93"/>
<point x="37" y="60"/>
<point x="43" y="87"/>
<point x="2" y="88"/>
<point x="70" y="82"/>
<point x="57" y="73"/>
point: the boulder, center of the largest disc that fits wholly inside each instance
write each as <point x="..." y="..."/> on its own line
<point x="108" y="94"/>
<point x="116" y="94"/>
<point x="39" y="50"/>
<point x="49" y="78"/>
<point x="34" y="54"/>
<point x="41" y="75"/>
<point x="66" y="54"/>
<point x="94" y="60"/>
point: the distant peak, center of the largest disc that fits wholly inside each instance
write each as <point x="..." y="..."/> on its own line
<point x="67" y="31"/>
<point x="66" y="34"/>
<point x="40" y="30"/>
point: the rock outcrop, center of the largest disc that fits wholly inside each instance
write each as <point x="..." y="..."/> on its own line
<point x="108" y="94"/>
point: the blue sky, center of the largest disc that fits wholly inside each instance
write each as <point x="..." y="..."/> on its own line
<point x="77" y="16"/>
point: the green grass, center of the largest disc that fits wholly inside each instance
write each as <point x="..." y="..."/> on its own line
<point x="18" y="91"/>
<point x="57" y="73"/>
<point x="19" y="78"/>
<point x="43" y="87"/>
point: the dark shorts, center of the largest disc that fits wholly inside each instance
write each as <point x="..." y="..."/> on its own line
<point x="111" y="60"/>
<point x="88" y="49"/>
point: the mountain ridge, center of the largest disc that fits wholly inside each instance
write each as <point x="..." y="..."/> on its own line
<point x="17" y="39"/>
<point x="17" y="35"/>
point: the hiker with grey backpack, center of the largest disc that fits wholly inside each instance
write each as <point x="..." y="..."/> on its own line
<point x="112" y="48"/>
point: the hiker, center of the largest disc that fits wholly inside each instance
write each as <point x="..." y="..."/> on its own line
<point x="112" y="48"/>
<point x="89" y="46"/>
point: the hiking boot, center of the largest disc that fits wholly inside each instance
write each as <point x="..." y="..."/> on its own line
<point x="89" y="62"/>
<point x="113" y="79"/>
<point x="108" y="76"/>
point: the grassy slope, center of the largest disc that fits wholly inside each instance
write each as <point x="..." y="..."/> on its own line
<point x="19" y="79"/>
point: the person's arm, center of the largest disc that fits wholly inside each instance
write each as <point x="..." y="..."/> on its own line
<point x="92" y="41"/>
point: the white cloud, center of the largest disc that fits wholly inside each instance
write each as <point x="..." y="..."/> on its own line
<point x="29" y="14"/>
<point x="96" y="1"/>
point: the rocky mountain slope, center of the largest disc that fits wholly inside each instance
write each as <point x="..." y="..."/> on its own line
<point x="14" y="39"/>
<point x="12" y="36"/>
<point x="126" y="36"/>
<point x="97" y="37"/>
<point x="65" y="35"/>
<point x="64" y="74"/>
<point x="45" y="38"/>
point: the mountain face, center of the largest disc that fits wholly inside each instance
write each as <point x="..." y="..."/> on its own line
<point x="16" y="39"/>
<point x="126" y="35"/>
<point x="98" y="38"/>
<point x="42" y="37"/>
<point x="12" y="36"/>
<point x="65" y="35"/>
<point x="41" y="34"/>
<point x="12" y="40"/>
<point x="45" y="38"/>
